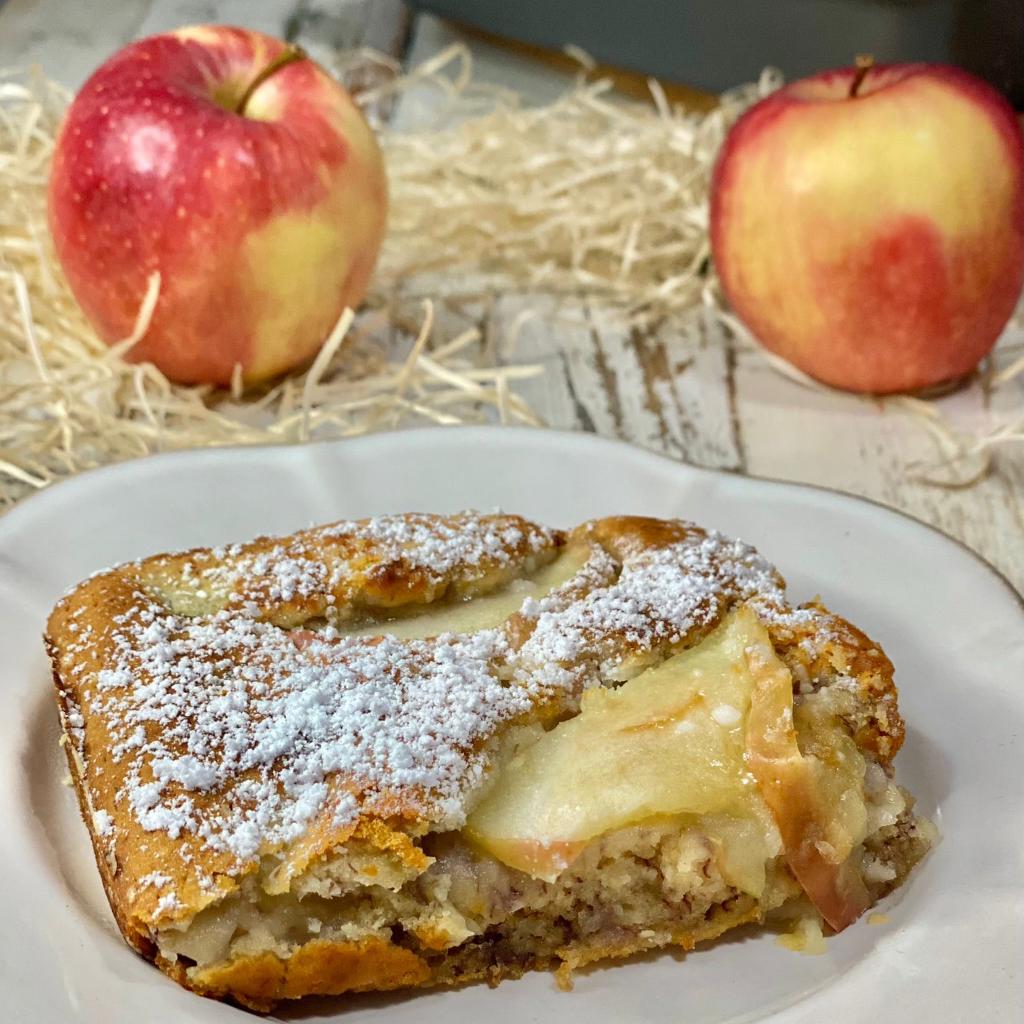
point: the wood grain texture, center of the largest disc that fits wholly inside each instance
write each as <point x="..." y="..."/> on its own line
<point x="68" y="40"/>
<point x="877" y="451"/>
<point x="704" y="398"/>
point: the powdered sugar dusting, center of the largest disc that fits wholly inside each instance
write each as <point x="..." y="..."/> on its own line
<point x="230" y="705"/>
<point x="659" y="599"/>
<point x="434" y="544"/>
<point x="167" y="903"/>
<point x="103" y="823"/>
<point x="328" y="568"/>
<point x="230" y="730"/>
<point x="156" y="879"/>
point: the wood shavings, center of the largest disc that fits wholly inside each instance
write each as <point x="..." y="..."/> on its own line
<point x="69" y="403"/>
<point x="968" y="454"/>
<point x="964" y="459"/>
<point x="590" y="196"/>
<point x="1011" y="372"/>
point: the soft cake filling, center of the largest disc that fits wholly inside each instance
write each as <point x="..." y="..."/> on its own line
<point x="642" y="818"/>
<point x="643" y="885"/>
<point x="660" y="876"/>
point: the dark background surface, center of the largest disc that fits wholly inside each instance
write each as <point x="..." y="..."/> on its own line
<point x="713" y="44"/>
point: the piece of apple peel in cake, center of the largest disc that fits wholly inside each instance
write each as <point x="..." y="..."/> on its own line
<point x="422" y="750"/>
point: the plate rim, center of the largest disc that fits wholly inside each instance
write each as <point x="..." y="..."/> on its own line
<point x="32" y="500"/>
<point x="665" y="465"/>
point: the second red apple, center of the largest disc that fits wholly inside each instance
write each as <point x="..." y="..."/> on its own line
<point x="868" y="225"/>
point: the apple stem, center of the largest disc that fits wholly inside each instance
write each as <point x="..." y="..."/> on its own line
<point x="863" y="64"/>
<point x="289" y="55"/>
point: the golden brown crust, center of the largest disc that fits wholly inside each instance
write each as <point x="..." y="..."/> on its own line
<point x="339" y="575"/>
<point x="374" y="576"/>
<point x="136" y="937"/>
<point x="829" y="646"/>
<point x="320" y="967"/>
<point x="628" y="536"/>
<point x="348" y="571"/>
<point x="134" y="853"/>
<point x="323" y="967"/>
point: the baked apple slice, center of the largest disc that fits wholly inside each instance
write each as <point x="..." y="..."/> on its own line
<point x="481" y="611"/>
<point x="669" y="742"/>
<point x="709" y="737"/>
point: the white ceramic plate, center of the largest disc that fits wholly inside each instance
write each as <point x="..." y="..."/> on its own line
<point x="953" y="946"/>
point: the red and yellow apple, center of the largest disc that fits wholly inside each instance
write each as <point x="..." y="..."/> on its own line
<point x="241" y="172"/>
<point x="867" y="224"/>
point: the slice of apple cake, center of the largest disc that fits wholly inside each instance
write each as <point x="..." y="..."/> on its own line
<point x="421" y="750"/>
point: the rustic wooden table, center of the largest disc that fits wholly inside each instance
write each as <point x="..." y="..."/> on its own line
<point x="714" y="401"/>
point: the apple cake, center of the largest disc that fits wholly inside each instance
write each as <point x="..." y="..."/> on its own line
<point x="425" y="750"/>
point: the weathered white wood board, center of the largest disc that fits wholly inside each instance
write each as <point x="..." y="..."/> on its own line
<point x="66" y="39"/>
<point x="696" y="394"/>
<point x="70" y="38"/>
<point x="875" y="450"/>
